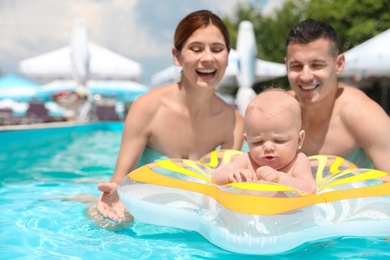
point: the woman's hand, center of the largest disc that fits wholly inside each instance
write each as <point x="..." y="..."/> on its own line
<point x="109" y="205"/>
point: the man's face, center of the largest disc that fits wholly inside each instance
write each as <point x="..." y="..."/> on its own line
<point x="312" y="70"/>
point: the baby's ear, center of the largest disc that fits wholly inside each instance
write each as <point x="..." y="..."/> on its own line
<point x="301" y="138"/>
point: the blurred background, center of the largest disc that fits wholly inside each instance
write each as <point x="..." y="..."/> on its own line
<point x="142" y="32"/>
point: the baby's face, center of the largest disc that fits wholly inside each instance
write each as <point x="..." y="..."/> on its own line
<point x="273" y="141"/>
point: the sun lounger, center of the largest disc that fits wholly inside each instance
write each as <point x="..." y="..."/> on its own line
<point x="5" y="115"/>
<point x="38" y="113"/>
<point x="8" y="118"/>
<point x="106" y="113"/>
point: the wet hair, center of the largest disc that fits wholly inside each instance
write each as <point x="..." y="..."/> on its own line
<point x="193" y="22"/>
<point x="311" y="30"/>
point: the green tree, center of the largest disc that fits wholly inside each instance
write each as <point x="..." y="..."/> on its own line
<point x="270" y="32"/>
<point x="354" y="20"/>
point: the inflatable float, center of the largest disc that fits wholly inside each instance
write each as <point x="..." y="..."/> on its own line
<point x="260" y="218"/>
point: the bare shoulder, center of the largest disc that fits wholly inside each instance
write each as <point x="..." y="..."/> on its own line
<point x="291" y="92"/>
<point x="225" y="110"/>
<point x="355" y="106"/>
<point x="354" y="101"/>
<point x="145" y="108"/>
<point x="302" y="156"/>
<point x="151" y="101"/>
<point x="302" y="160"/>
<point x="353" y="94"/>
<point x="230" y="117"/>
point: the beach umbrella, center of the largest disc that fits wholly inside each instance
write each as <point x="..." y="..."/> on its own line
<point x="17" y="88"/>
<point x="119" y="89"/>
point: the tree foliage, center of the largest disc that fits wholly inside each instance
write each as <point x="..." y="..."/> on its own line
<point x="354" y="20"/>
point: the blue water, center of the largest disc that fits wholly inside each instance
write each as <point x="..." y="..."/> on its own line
<point x="38" y="168"/>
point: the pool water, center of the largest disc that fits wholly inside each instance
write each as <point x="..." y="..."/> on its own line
<point x="37" y="223"/>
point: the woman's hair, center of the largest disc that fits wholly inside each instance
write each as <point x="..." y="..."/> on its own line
<point x="193" y="22"/>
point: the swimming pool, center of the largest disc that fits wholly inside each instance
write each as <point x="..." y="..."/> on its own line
<point x="37" y="166"/>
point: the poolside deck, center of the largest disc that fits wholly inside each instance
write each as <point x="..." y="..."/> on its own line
<point x="41" y="125"/>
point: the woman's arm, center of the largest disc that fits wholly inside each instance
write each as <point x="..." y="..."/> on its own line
<point x="134" y="139"/>
<point x="235" y="141"/>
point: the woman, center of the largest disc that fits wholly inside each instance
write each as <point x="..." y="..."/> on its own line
<point x="182" y="120"/>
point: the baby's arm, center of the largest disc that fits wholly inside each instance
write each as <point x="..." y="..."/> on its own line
<point x="235" y="171"/>
<point x="267" y="173"/>
<point x="300" y="176"/>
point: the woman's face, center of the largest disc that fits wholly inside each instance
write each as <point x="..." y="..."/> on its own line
<point x="204" y="57"/>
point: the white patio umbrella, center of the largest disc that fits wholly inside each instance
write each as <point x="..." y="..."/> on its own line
<point x="370" y="58"/>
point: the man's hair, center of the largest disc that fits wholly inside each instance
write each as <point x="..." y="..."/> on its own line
<point x="311" y="30"/>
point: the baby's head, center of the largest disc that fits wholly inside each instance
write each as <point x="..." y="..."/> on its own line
<point x="273" y="106"/>
<point x="273" y="128"/>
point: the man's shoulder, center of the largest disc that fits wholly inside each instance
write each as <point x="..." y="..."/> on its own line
<point x="354" y="104"/>
<point x="351" y="91"/>
<point x="353" y="96"/>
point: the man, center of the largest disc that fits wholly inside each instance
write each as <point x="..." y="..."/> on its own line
<point x="338" y="120"/>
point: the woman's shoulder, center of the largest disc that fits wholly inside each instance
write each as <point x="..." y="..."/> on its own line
<point x="223" y="106"/>
<point x="157" y="92"/>
<point x="154" y="97"/>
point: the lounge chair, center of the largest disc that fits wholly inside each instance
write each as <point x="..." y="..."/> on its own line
<point x="106" y="113"/>
<point x="7" y="117"/>
<point x="38" y="113"/>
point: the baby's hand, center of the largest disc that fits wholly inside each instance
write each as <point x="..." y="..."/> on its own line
<point x="267" y="173"/>
<point x="240" y="175"/>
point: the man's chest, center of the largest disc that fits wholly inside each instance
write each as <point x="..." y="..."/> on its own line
<point x="329" y="139"/>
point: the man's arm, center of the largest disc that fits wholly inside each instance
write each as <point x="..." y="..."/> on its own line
<point x="370" y="125"/>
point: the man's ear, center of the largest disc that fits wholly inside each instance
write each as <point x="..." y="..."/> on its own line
<point x="285" y="62"/>
<point x="301" y="138"/>
<point x="176" y="56"/>
<point x="340" y="63"/>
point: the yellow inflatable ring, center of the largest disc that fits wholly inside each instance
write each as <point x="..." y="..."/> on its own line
<point x="260" y="218"/>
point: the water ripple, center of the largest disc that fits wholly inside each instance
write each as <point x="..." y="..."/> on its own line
<point x="38" y="223"/>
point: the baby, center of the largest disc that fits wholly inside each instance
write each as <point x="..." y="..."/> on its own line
<point x="274" y="136"/>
